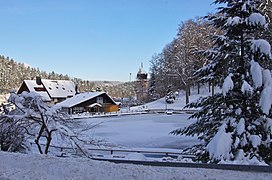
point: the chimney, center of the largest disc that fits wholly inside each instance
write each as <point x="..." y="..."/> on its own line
<point x="76" y="88"/>
<point x="38" y="80"/>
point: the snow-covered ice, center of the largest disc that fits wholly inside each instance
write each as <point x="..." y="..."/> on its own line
<point x="140" y="131"/>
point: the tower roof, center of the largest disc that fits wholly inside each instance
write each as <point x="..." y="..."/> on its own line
<point x="142" y="74"/>
<point x="141" y="71"/>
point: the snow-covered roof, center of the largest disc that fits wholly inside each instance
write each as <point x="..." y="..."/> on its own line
<point x="31" y="84"/>
<point x="59" y="88"/>
<point x="52" y="88"/>
<point x="79" y="98"/>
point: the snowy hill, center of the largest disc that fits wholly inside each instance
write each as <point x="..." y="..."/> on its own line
<point x="179" y="103"/>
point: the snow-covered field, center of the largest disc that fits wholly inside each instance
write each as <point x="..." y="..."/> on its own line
<point x="22" y="166"/>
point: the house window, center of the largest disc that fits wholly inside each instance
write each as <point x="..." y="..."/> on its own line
<point x="99" y="100"/>
<point x="78" y="109"/>
<point x="39" y="89"/>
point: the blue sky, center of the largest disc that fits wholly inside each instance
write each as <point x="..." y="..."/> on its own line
<point x="92" y="39"/>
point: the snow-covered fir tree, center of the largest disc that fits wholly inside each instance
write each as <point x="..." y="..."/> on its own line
<point x="236" y="123"/>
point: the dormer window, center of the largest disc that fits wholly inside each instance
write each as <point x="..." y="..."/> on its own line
<point x="99" y="100"/>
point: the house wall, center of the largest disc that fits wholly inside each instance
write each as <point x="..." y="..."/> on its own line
<point x="111" y="108"/>
<point x="66" y="110"/>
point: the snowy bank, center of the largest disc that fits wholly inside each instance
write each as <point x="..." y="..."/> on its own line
<point x="179" y="103"/>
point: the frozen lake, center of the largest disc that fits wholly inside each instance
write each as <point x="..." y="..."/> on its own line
<point x="138" y="131"/>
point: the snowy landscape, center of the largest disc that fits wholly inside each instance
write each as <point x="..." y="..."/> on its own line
<point x="204" y="113"/>
<point x="129" y="132"/>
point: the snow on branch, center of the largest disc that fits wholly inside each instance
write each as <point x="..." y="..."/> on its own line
<point x="267" y="79"/>
<point x="256" y="19"/>
<point x="227" y="85"/>
<point x="233" y="21"/>
<point x="262" y="46"/>
<point x="219" y="147"/>
<point x="246" y="88"/>
<point x="265" y="100"/>
<point x="256" y="73"/>
<point x="240" y="128"/>
<point x="255" y="140"/>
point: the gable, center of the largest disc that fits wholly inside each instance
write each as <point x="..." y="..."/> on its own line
<point x="31" y="86"/>
<point x="23" y="88"/>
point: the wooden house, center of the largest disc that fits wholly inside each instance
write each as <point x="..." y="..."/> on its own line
<point x="89" y="102"/>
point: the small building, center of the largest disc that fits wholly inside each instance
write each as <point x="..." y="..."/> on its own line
<point x="52" y="91"/>
<point x="89" y="102"/>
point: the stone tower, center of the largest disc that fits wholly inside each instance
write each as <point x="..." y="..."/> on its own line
<point x="141" y="87"/>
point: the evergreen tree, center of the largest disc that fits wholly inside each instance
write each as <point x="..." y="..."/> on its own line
<point x="235" y="124"/>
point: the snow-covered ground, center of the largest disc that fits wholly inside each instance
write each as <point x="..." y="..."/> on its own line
<point x="23" y="166"/>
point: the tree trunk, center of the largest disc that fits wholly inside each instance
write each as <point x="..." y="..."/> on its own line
<point x="198" y="88"/>
<point x="212" y="87"/>
<point x="38" y="139"/>
<point x="187" y="93"/>
<point x="49" y="138"/>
